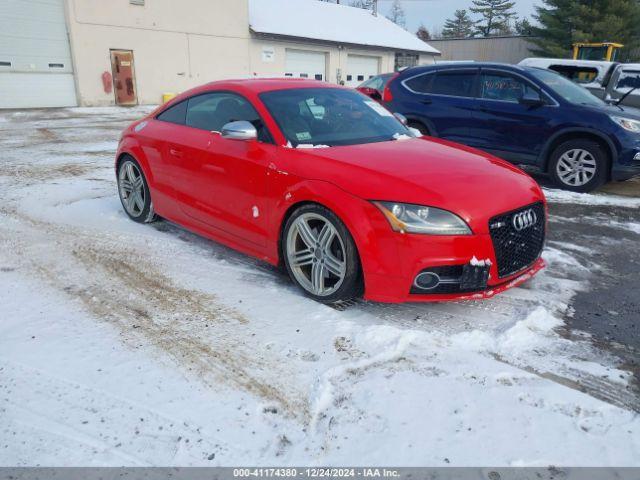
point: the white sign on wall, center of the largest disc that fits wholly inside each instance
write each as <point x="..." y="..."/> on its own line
<point x="268" y="54"/>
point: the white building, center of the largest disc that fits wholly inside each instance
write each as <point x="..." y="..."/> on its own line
<point x="97" y="52"/>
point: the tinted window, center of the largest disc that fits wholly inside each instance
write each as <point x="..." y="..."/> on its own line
<point x="331" y="117"/>
<point x="378" y="82"/>
<point x="212" y="111"/>
<point x="504" y="87"/>
<point x="174" y="114"/>
<point x="459" y="84"/>
<point x="421" y="83"/>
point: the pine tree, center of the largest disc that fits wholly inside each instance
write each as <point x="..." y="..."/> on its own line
<point x="564" y="22"/>
<point x="423" y="34"/>
<point x="496" y="16"/>
<point x="523" y="26"/>
<point x="460" y="26"/>
<point x="396" y="14"/>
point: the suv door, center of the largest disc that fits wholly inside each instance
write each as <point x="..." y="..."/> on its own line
<point x="442" y="100"/>
<point x="218" y="181"/>
<point x="504" y="125"/>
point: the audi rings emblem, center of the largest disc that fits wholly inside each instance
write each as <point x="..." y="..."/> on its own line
<point x="525" y="219"/>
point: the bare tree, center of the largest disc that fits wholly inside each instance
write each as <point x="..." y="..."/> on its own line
<point x="397" y="15"/>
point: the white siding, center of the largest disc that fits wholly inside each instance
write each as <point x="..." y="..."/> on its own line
<point x="33" y="40"/>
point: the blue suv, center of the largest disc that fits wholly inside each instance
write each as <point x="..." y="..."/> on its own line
<point x="525" y="115"/>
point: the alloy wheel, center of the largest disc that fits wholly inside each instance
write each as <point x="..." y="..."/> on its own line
<point x="576" y="167"/>
<point x="132" y="191"/>
<point x="316" y="254"/>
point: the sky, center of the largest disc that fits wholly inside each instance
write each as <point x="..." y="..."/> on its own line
<point x="433" y="13"/>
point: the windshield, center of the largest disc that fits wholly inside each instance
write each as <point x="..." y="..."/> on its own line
<point x="565" y="88"/>
<point x="331" y="117"/>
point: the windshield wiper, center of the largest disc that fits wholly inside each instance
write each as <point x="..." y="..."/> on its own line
<point x="626" y="95"/>
<point x="637" y="78"/>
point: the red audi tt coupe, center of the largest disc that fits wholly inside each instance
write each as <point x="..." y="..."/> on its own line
<point x="327" y="183"/>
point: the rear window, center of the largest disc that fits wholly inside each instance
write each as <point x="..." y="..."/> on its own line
<point x="575" y="73"/>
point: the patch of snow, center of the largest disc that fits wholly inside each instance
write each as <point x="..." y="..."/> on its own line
<point x="310" y="145"/>
<point x="149" y="345"/>
<point x="564" y="196"/>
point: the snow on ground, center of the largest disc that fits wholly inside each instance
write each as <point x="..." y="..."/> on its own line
<point x="127" y="344"/>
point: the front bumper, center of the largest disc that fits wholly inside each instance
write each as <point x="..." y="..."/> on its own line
<point x="628" y="161"/>
<point x="420" y="253"/>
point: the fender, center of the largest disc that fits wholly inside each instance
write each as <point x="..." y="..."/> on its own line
<point x="130" y="146"/>
<point x="544" y="153"/>
<point x="378" y="253"/>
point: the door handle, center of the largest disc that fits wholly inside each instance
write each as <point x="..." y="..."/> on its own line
<point x="426" y="101"/>
<point x="175" y="152"/>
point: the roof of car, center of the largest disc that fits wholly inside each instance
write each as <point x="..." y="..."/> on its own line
<point x="457" y="65"/>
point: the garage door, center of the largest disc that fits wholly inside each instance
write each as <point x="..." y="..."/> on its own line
<point x="305" y="64"/>
<point x="361" y="68"/>
<point x="35" y="59"/>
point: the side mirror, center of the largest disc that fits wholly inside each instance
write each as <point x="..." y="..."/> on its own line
<point x="531" y="99"/>
<point x="401" y="118"/>
<point x="240" y="130"/>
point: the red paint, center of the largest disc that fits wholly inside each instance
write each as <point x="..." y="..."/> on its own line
<point x="210" y="185"/>
<point x="107" y="82"/>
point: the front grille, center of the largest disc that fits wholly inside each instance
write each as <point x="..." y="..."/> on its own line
<point x="518" y="244"/>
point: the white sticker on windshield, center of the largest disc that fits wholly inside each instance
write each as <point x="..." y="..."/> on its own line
<point x="379" y="109"/>
<point x="303" y="136"/>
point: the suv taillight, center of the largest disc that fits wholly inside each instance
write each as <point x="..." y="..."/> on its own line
<point x="387" y="96"/>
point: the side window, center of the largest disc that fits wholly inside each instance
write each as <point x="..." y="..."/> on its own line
<point x="459" y="84"/>
<point x="174" y="114"/>
<point x="628" y="79"/>
<point x="212" y="111"/>
<point x="495" y="86"/>
<point x="421" y="83"/>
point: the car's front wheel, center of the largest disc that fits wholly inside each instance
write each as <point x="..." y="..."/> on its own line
<point x="578" y="165"/>
<point x="134" y="191"/>
<point x="320" y="255"/>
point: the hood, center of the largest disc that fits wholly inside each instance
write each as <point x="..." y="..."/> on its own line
<point x="426" y="171"/>
<point x="619" y="110"/>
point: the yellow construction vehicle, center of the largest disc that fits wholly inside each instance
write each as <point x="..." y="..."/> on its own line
<point x="603" y="51"/>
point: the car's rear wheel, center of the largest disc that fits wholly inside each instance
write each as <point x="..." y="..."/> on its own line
<point x="420" y="127"/>
<point x="320" y="255"/>
<point x="578" y="165"/>
<point x="134" y="191"/>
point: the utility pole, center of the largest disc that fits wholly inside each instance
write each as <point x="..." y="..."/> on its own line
<point x="375" y="8"/>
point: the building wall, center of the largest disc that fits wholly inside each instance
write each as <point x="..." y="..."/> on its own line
<point x="174" y="52"/>
<point x="491" y="49"/>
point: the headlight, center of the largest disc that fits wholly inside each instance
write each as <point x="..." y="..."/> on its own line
<point x="406" y="217"/>
<point x="627" y="123"/>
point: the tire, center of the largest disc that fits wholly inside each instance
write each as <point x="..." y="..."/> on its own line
<point x="579" y="165"/>
<point x="131" y="181"/>
<point x="322" y="259"/>
<point x="419" y="126"/>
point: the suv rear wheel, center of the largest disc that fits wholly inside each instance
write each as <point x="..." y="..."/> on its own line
<point x="578" y="165"/>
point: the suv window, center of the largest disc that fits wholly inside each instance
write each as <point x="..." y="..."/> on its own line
<point x="421" y="83"/>
<point x="211" y="111"/>
<point x="504" y="87"/>
<point x="174" y="114"/>
<point x="459" y="84"/>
